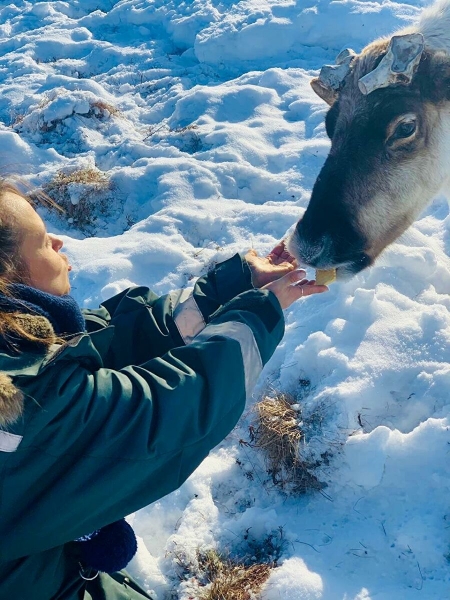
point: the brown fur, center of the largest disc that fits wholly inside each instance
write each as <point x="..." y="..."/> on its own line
<point x="11" y="398"/>
<point x="37" y="326"/>
<point x="11" y="401"/>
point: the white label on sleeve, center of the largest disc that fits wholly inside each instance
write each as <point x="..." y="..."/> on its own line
<point x="187" y="316"/>
<point x="9" y="442"/>
<point x="251" y="356"/>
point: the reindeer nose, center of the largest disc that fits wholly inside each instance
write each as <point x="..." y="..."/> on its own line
<point x="316" y="250"/>
<point x="321" y="253"/>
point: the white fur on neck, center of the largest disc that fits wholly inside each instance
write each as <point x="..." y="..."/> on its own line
<point x="434" y="25"/>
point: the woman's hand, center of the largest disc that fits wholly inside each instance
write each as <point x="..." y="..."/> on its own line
<point x="293" y="286"/>
<point x="269" y="268"/>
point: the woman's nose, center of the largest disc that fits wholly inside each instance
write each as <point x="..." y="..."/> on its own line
<point x="57" y="243"/>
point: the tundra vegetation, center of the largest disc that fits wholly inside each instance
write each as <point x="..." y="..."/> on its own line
<point x="213" y="574"/>
<point x="279" y="434"/>
<point x="82" y="194"/>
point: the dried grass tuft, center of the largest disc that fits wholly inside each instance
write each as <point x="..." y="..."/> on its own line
<point x="278" y="432"/>
<point x="103" y="109"/>
<point x="82" y="194"/>
<point x="213" y="575"/>
<point x="229" y="580"/>
<point x="279" y="435"/>
<point x="86" y="176"/>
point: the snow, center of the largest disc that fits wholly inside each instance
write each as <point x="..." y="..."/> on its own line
<point x="201" y="115"/>
<point x="294" y="580"/>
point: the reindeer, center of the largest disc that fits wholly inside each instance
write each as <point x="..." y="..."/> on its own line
<point x="389" y="126"/>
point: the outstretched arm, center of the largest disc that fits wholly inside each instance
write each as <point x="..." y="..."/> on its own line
<point x="174" y="319"/>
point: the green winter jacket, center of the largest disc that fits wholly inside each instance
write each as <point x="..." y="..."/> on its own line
<point x="121" y="416"/>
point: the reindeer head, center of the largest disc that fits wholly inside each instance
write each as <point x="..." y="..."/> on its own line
<point x="389" y="125"/>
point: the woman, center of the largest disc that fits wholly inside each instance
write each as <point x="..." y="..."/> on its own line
<point x="104" y="411"/>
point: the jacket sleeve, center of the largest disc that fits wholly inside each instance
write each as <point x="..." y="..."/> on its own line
<point x="147" y="326"/>
<point x="110" y="442"/>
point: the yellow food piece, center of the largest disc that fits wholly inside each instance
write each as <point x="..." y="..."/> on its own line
<point x="325" y="276"/>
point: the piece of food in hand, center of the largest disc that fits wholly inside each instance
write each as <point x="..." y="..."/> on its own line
<point x="325" y="276"/>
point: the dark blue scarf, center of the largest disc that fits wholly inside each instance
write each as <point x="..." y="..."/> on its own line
<point x="110" y="548"/>
<point x="63" y="312"/>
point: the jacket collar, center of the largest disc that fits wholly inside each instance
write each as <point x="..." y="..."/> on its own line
<point x="86" y="349"/>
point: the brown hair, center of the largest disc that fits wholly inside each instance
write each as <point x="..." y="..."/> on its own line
<point x="16" y="325"/>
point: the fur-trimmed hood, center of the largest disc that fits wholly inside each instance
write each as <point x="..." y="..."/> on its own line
<point x="11" y="401"/>
<point x="11" y="398"/>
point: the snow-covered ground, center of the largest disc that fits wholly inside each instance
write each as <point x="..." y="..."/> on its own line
<point x="201" y="115"/>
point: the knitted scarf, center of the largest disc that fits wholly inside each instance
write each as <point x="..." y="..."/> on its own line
<point x="110" y="548"/>
<point x="63" y="312"/>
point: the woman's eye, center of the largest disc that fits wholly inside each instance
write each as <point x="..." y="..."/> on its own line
<point x="404" y="130"/>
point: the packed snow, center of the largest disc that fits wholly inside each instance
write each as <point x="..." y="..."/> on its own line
<point x="201" y="117"/>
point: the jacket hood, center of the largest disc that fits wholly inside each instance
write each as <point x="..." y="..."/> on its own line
<point x="11" y="398"/>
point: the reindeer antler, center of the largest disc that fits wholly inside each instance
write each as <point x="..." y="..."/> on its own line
<point x="332" y="76"/>
<point x="398" y="64"/>
<point x="330" y="79"/>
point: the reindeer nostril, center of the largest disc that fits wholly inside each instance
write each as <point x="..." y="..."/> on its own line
<point x="313" y="250"/>
<point x="321" y="252"/>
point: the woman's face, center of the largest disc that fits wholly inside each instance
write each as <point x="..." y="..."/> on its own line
<point x="46" y="268"/>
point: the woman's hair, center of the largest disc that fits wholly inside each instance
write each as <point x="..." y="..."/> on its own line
<point x="14" y="326"/>
<point x="10" y="262"/>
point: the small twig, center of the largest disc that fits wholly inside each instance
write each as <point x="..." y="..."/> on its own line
<point x="152" y="131"/>
<point x="306" y="544"/>
<point x="255" y="471"/>
<point x="326" y="496"/>
<point x="421" y="576"/>
<point x="354" y="507"/>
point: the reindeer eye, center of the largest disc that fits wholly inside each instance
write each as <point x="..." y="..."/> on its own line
<point x="404" y="130"/>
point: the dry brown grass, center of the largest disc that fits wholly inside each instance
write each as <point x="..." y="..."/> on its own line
<point x="279" y="435"/>
<point x="184" y="129"/>
<point x="86" y="176"/>
<point x="100" y="109"/>
<point x="17" y="119"/>
<point x="278" y="432"/>
<point x="163" y="127"/>
<point x="104" y="109"/>
<point x="93" y="195"/>
<point x="229" y="580"/>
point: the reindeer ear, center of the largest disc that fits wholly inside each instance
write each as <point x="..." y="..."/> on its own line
<point x="323" y="91"/>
